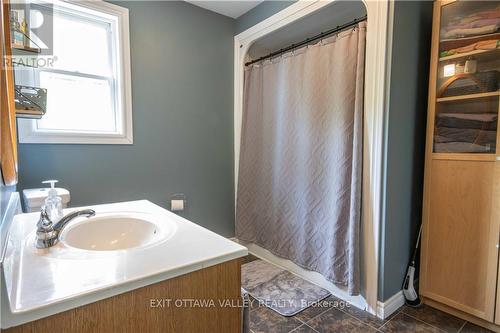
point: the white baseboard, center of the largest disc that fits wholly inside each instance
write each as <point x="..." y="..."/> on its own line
<point x="313" y="277"/>
<point x="385" y="309"/>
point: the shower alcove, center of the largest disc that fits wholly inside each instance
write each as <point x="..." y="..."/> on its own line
<point x="296" y="23"/>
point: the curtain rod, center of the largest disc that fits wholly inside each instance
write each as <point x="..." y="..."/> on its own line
<point x="309" y="40"/>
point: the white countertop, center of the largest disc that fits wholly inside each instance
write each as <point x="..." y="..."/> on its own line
<point x="40" y="283"/>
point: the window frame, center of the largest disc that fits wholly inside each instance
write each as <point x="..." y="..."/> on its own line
<point x="27" y="128"/>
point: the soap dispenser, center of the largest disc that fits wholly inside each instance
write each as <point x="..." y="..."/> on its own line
<point x="53" y="203"/>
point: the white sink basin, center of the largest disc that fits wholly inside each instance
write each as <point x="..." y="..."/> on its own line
<point x="112" y="232"/>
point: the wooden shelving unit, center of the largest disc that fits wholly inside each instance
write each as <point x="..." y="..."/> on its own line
<point x="447" y="44"/>
<point x="464" y="157"/>
<point x="470" y="96"/>
<point x="21" y="99"/>
<point x="479" y="53"/>
<point x="459" y="270"/>
<point x="28" y="114"/>
<point x="26" y="48"/>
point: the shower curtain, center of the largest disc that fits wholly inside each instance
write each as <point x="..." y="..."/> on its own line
<point x="299" y="183"/>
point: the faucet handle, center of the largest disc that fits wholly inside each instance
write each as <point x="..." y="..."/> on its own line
<point x="44" y="230"/>
<point x="44" y="222"/>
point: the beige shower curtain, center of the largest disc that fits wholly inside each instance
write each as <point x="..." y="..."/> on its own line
<point x="299" y="184"/>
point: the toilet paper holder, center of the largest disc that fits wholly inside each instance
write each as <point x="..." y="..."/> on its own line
<point x="177" y="202"/>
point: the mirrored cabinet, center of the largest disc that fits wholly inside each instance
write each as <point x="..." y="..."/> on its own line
<point x="461" y="218"/>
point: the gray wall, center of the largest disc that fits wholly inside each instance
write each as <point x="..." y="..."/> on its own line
<point x="405" y="130"/>
<point x="405" y="140"/>
<point x="259" y="13"/>
<point x="182" y="82"/>
<point x="5" y="192"/>
<point x="5" y="195"/>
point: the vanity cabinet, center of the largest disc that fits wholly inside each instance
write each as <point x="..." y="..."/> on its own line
<point x="461" y="216"/>
<point x="148" y="309"/>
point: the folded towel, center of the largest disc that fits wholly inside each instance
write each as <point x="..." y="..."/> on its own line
<point x="489" y="44"/>
<point x="484" y="15"/>
<point x="484" y="117"/>
<point x="461" y="147"/>
<point x="479" y="23"/>
<point x="477" y="136"/>
<point x="484" y="121"/>
<point x="487" y="14"/>
<point x="457" y="33"/>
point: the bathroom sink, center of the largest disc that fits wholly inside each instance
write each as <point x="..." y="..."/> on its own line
<point x="112" y="232"/>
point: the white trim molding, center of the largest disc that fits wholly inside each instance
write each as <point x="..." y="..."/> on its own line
<point x="121" y="80"/>
<point x="387" y="308"/>
<point x="377" y="69"/>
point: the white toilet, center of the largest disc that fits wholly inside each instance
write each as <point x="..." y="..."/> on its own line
<point x="34" y="198"/>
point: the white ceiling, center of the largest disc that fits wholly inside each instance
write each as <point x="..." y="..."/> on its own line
<point x="232" y="9"/>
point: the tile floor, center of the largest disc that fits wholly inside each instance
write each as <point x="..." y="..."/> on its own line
<point x="333" y="315"/>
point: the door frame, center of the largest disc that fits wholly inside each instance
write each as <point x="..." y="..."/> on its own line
<point x="377" y="74"/>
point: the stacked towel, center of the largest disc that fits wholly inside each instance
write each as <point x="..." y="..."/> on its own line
<point x="475" y="24"/>
<point x="465" y="132"/>
<point x="489" y="44"/>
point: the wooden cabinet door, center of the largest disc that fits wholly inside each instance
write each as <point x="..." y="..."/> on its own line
<point x="497" y="315"/>
<point x="496" y="215"/>
<point x="8" y="136"/>
<point x="461" y="229"/>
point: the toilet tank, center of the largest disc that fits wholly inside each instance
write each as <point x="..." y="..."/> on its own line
<point x="34" y="198"/>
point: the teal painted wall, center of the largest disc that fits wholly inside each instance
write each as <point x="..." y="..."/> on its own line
<point x="5" y="196"/>
<point x="405" y="146"/>
<point x="182" y="83"/>
<point x="260" y="13"/>
<point x="5" y="193"/>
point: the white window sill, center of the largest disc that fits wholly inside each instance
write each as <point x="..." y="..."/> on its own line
<point x="27" y="135"/>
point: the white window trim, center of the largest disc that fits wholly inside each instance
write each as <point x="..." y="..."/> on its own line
<point x="26" y="127"/>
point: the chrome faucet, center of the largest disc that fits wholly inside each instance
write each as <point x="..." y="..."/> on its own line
<point x="47" y="233"/>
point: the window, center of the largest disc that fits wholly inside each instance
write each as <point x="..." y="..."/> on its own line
<point x="88" y="84"/>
